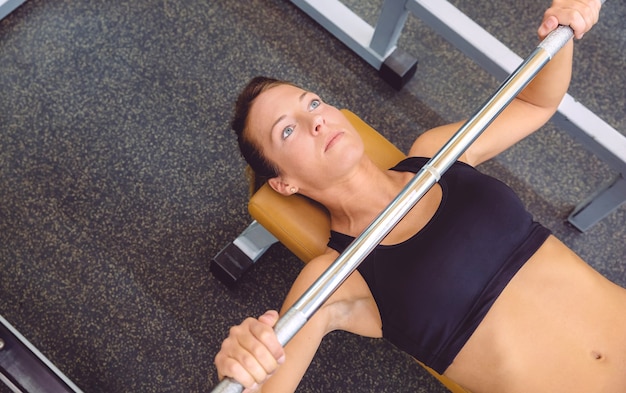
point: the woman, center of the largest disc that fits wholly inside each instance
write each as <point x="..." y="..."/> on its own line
<point x="503" y="306"/>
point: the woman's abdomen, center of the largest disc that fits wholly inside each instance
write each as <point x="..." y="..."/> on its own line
<point x="558" y="326"/>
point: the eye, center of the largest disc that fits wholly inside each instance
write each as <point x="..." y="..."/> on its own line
<point x="287" y="131"/>
<point x="315" y="103"/>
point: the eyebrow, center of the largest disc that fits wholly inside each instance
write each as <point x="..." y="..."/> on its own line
<point x="300" y="98"/>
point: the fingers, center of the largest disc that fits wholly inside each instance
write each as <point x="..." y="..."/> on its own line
<point x="269" y="318"/>
<point x="251" y="353"/>
<point x="549" y="23"/>
<point x="580" y="15"/>
<point x="268" y="336"/>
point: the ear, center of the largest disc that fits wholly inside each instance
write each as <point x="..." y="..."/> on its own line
<point x="281" y="187"/>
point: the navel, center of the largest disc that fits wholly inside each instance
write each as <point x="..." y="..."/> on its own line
<point x="597" y="355"/>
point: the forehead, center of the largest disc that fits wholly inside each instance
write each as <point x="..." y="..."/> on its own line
<point x="273" y="102"/>
<point x="270" y="105"/>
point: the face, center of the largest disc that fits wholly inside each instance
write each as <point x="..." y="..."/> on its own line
<point x="311" y="142"/>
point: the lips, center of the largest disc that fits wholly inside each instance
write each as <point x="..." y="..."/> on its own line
<point x="332" y="140"/>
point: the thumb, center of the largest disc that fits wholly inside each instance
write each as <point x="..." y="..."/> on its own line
<point x="550" y="23"/>
<point x="269" y="318"/>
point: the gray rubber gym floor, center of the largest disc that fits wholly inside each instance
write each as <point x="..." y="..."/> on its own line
<point x="120" y="179"/>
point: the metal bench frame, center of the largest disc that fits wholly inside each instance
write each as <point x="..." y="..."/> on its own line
<point x="377" y="46"/>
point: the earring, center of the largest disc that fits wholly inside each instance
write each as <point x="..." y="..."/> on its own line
<point x="293" y="190"/>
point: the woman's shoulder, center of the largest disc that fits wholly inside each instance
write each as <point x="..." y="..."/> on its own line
<point x="314" y="269"/>
<point x="431" y="141"/>
<point x="348" y="298"/>
<point x="311" y="271"/>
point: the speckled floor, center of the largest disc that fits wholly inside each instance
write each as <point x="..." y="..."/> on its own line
<point x="119" y="177"/>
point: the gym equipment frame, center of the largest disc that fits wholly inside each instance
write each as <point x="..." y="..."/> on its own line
<point x="7" y="6"/>
<point x="377" y="46"/>
<point x="26" y="370"/>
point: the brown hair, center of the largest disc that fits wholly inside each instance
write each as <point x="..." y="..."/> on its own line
<point x="260" y="169"/>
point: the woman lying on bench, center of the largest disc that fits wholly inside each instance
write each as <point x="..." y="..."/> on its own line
<point x="466" y="282"/>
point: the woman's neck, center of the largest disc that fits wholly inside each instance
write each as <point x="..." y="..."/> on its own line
<point x="354" y="202"/>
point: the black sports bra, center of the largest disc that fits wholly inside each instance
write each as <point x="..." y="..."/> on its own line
<point x="435" y="288"/>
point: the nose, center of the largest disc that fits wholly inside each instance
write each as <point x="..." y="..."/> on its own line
<point x="318" y="123"/>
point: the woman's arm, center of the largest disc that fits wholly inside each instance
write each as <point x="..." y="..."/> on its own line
<point x="534" y="106"/>
<point x="251" y="354"/>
